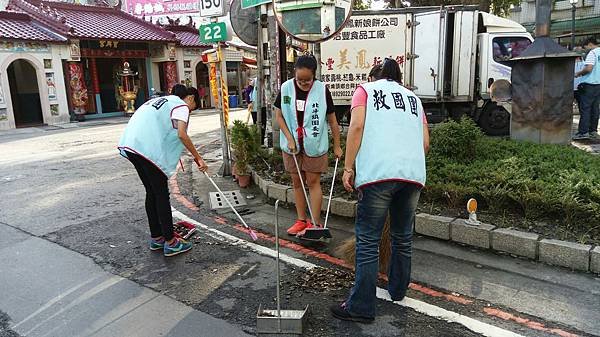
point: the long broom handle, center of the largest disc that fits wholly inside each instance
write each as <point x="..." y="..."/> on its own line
<point x="337" y="160"/>
<point x="277" y="259"/>
<point x="304" y="191"/>
<point x="252" y="234"/>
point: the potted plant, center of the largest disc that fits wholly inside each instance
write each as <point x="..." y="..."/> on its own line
<point x="244" y="143"/>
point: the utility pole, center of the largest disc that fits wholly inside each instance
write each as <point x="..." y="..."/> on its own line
<point x="224" y="105"/>
<point x="259" y="85"/>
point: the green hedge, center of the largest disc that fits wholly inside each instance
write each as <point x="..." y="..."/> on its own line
<point x="559" y="184"/>
<point x="551" y="189"/>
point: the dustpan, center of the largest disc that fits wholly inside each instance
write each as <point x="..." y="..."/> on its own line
<point x="280" y="322"/>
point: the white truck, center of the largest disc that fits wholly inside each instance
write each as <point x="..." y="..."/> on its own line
<point x="449" y="57"/>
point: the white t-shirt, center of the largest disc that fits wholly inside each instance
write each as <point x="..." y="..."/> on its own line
<point x="180" y="113"/>
<point x="592" y="60"/>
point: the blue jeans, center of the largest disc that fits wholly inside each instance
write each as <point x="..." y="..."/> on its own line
<point x="400" y="199"/>
<point x="589" y="108"/>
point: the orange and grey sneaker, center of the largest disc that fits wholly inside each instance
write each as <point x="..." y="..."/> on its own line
<point x="299" y="226"/>
<point x="308" y="226"/>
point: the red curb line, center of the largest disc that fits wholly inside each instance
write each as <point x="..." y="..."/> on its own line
<point x="528" y="323"/>
<point x="493" y="312"/>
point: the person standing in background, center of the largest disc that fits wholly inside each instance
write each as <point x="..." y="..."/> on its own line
<point x="589" y="92"/>
<point x="579" y="65"/>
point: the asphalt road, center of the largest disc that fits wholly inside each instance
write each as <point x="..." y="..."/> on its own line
<point x="75" y="262"/>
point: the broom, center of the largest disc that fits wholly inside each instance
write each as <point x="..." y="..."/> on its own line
<point x="347" y="250"/>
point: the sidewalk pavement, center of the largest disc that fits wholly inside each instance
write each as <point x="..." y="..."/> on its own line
<point x="94" y="122"/>
<point x="589" y="146"/>
<point x="48" y="290"/>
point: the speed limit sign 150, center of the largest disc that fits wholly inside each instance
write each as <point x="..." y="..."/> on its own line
<point x="212" y="8"/>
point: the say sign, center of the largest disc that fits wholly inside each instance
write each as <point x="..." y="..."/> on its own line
<point x="214" y="32"/>
<point x="211" y="8"/>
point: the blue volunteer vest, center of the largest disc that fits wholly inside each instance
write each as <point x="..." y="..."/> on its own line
<point x="392" y="142"/>
<point x="316" y="138"/>
<point x="150" y="133"/>
<point x="594" y="76"/>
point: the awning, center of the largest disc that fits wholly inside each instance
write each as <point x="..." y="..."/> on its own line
<point x="583" y="26"/>
<point x="248" y="61"/>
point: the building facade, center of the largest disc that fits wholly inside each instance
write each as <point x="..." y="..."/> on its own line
<point x="31" y="73"/>
<point x="62" y="61"/>
<point x="587" y="19"/>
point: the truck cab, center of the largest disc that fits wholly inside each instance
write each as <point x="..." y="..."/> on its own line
<point x="454" y="69"/>
<point x="498" y="42"/>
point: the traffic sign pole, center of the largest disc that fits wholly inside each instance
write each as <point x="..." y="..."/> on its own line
<point x="225" y="113"/>
<point x="223" y="102"/>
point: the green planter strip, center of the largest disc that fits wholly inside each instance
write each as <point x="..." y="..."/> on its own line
<point x="556" y="252"/>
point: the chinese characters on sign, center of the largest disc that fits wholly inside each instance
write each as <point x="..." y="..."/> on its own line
<point x="369" y="29"/>
<point x="345" y="64"/>
<point x="380" y="102"/>
<point x="315" y="120"/>
<point x="379" y="97"/>
<point x="162" y="7"/>
<point x="351" y="73"/>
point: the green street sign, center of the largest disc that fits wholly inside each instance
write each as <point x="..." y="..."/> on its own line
<point x="213" y="32"/>
<point x="253" y="3"/>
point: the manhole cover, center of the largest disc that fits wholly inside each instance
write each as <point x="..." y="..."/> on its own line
<point x="217" y="200"/>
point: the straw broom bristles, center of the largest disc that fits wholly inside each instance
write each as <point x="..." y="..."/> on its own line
<point x="347" y="250"/>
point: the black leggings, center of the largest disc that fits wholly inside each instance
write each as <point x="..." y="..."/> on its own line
<point x="158" y="205"/>
<point x="263" y="121"/>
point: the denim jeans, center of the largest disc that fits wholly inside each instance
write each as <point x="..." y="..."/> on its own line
<point x="400" y="199"/>
<point x="589" y="109"/>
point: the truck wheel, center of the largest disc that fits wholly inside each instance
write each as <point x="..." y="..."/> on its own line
<point x="494" y="120"/>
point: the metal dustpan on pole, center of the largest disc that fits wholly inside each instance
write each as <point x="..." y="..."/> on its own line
<point x="280" y="322"/>
<point x="322" y="234"/>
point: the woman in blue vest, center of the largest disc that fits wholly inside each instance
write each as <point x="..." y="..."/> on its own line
<point x="153" y="142"/>
<point x="304" y="108"/>
<point x="385" y="162"/>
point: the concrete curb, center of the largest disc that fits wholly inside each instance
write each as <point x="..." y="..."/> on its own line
<point x="516" y="242"/>
<point x="530" y="245"/>
<point x="339" y="206"/>
<point x="595" y="260"/>
<point x="565" y="254"/>
<point x="433" y="225"/>
<point x="477" y="236"/>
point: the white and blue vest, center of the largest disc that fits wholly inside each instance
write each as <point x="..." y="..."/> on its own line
<point x="151" y="134"/>
<point x="594" y="76"/>
<point x="316" y="137"/>
<point x="392" y="142"/>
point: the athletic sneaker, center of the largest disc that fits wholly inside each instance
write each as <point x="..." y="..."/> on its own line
<point x="160" y="244"/>
<point x="581" y="136"/>
<point x="339" y="311"/>
<point x="178" y="247"/>
<point x="594" y="135"/>
<point x="299" y="226"/>
<point x="157" y="244"/>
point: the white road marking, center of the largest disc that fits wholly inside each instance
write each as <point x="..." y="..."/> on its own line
<point x="425" y="308"/>
<point x="234" y="240"/>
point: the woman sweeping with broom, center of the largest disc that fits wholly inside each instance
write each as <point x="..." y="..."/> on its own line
<point x="387" y="142"/>
<point x="304" y="108"/>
